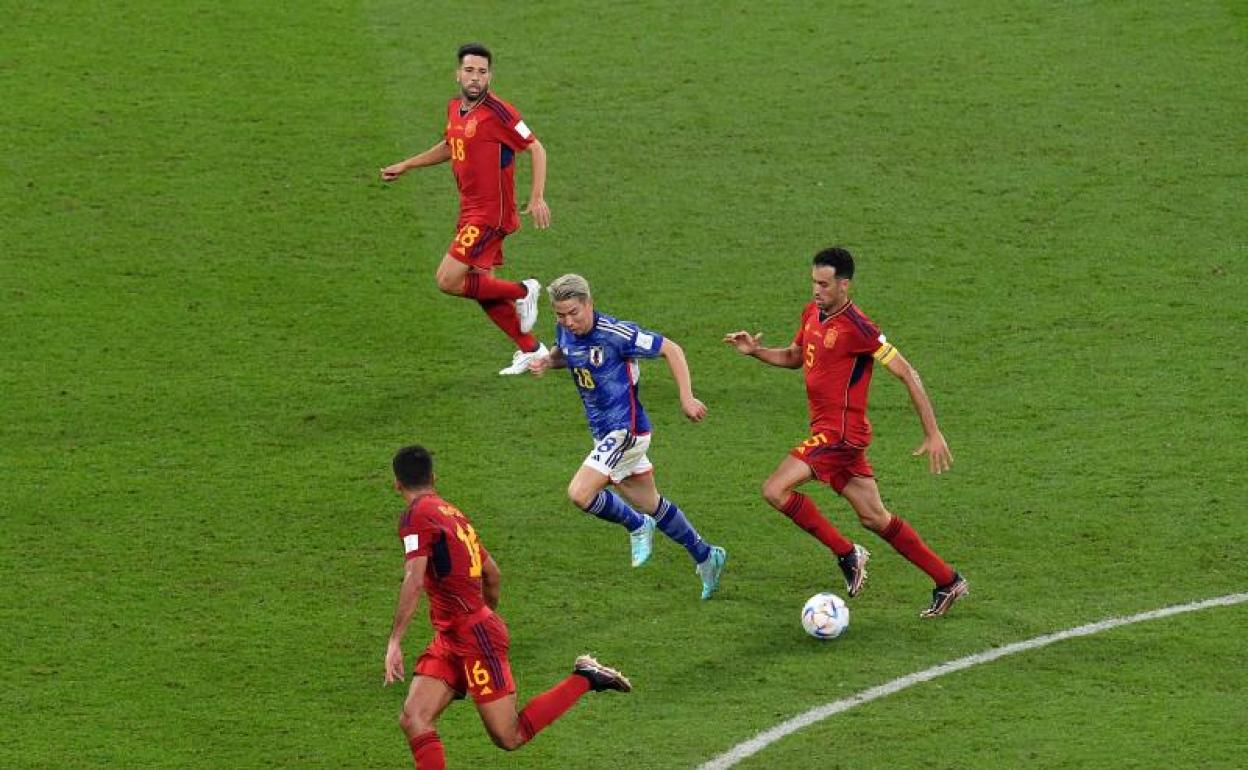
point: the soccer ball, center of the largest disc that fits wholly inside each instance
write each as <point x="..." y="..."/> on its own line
<point x="825" y="616"/>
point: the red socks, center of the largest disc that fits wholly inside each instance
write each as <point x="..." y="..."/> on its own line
<point x="503" y="313"/>
<point x="805" y="514"/>
<point x="427" y="751"/>
<point x="901" y="536"/>
<point x="483" y="286"/>
<point x="550" y="705"/>
<point x="497" y="298"/>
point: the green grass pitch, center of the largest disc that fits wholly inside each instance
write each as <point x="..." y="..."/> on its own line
<point x="217" y="325"/>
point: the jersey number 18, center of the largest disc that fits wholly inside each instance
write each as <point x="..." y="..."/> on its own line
<point x="584" y="378"/>
<point x="468" y="536"/>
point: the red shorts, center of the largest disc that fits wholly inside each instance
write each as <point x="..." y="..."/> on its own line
<point x="479" y="246"/>
<point x="471" y="659"/>
<point x="833" y="464"/>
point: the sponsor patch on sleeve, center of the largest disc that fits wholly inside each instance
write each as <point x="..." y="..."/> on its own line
<point x="410" y="543"/>
<point x="645" y="341"/>
<point x="523" y="130"/>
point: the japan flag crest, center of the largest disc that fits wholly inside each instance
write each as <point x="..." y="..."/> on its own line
<point x="595" y="356"/>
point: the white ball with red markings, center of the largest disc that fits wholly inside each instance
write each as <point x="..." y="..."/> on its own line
<point x="825" y="616"/>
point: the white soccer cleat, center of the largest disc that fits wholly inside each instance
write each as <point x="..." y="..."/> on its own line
<point x="527" y="307"/>
<point x="520" y="361"/>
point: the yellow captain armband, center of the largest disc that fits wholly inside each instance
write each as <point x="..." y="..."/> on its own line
<point x="885" y="353"/>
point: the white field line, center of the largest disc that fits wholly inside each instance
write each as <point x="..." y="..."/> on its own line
<point x="767" y="737"/>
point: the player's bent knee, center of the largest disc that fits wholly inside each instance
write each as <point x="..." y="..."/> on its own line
<point x="414" y="724"/>
<point x="775" y="494"/>
<point x="581" y="498"/>
<point x="450" y="285"/>
<point x="507" y="742"/>
<point x="876" y="521"/>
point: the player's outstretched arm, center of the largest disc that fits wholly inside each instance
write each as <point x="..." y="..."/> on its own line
<point x="409" y="600"/>
<point x="491" y="583"/>
<point x="752" y="345"/>
<point x="439" y="153"/>
<point x="552" y="360"/>
<point x="939" y="458"/>
<point x="694" y="409"/>
<point x="537" y="193"/>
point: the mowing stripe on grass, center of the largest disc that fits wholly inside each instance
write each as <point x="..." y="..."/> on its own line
<point x="767" y="737"/>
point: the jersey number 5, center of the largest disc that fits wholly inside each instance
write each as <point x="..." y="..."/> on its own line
<point x="468" y="536"/>
<point x="810" y="354"/>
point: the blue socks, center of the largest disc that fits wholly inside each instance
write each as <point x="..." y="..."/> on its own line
<point x="609" y="507"/>
<point x="672" y="522"/>
<point x="670" y="519"/>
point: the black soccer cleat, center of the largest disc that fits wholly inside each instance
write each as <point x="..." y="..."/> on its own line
<point x="854" y="566"/>
<point x="601" y="677"/>
<point x="944" y="597"/>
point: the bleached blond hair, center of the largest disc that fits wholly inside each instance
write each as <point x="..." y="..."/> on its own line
<point x="570" y="286"/>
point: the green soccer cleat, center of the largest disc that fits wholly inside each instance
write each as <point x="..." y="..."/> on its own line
<point x="642" y="541"/>
<point x="710" y="570"/>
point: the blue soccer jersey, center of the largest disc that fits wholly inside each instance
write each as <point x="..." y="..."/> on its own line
<point x="603" y="364"/>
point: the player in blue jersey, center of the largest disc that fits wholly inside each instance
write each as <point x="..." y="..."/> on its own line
<point x="601" y="353"/>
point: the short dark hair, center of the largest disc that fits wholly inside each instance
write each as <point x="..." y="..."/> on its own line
<point x="837" y="258"/>
<point x="413" y="466"/>
<point x="474" y="49"/>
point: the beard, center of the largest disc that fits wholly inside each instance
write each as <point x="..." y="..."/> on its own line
<point x="482" y="90"/>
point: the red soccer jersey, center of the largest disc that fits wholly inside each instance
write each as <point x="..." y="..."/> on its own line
<point x="483" y="144"/>
<point x="434" y="528"/>
<point x="838" y="352"/>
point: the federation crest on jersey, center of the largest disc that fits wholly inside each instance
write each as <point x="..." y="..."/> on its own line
<point x="595" y="355"/>
<point x="829" y="338"/>
<point x="470" y="128"/>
